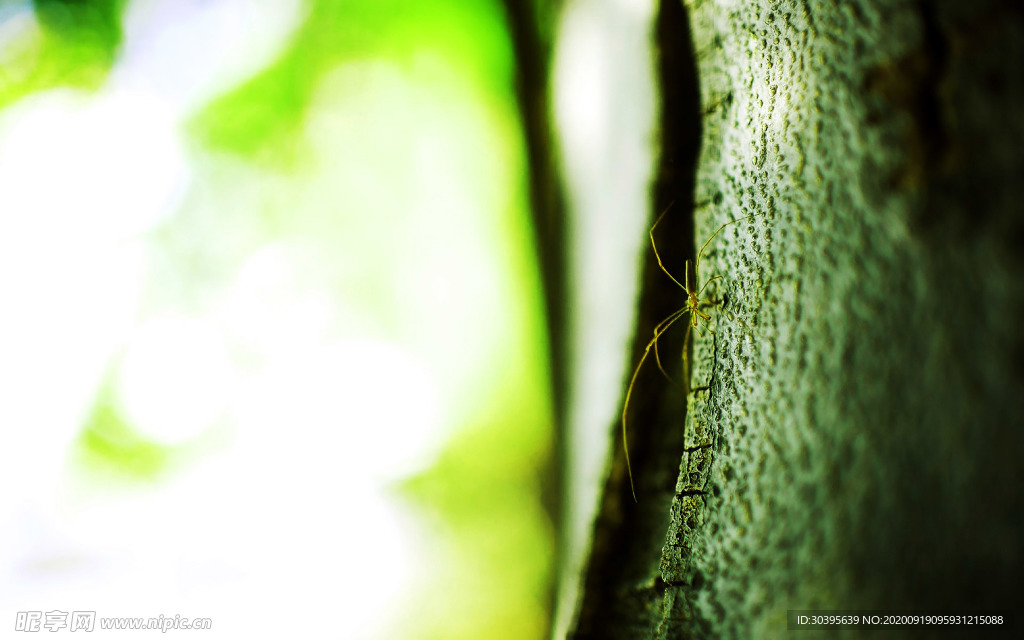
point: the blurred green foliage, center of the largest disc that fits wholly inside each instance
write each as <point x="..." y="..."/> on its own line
<point x="485" y="488"/>
<point x="484" y="491"/>
<point x="261" y="118"/>
<point x="73" y="44"/>
<point x="109" y="443"/>
<point x="96" y="23"/>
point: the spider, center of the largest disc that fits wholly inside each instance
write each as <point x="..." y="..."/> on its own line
<point x="697" y="317"/>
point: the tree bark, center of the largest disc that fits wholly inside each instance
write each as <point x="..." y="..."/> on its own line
<point x="854" y="427"/>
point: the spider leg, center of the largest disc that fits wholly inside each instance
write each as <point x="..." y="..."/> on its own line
<point x="662" y="327"/>
<point x="707" y="283"/>
<point x="686" y="359"/>
<point x="655" y="247"/>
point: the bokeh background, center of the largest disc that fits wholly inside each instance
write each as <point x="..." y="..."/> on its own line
<point x="272" y="343"/>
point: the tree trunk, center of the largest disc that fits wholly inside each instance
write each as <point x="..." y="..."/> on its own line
<point x="854" y="427"/>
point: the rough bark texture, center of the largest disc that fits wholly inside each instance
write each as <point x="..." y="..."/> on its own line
<point x="855" y="433"/>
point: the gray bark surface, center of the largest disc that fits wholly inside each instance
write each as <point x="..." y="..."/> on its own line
<point x="854" y="433"/>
